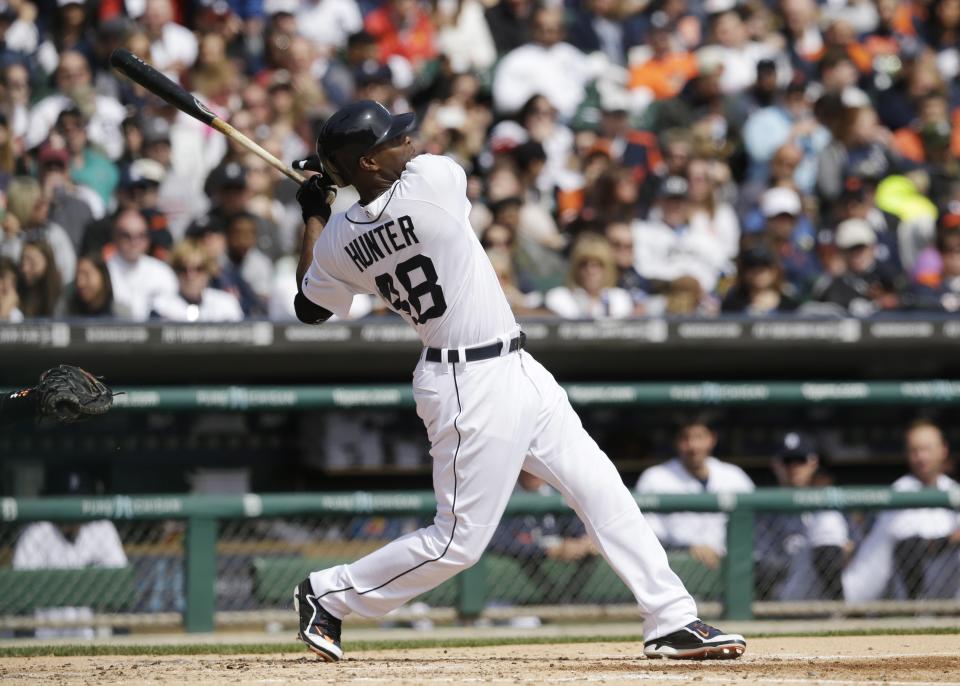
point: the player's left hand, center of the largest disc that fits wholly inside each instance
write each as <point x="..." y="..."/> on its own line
<point x="315" y="196"/>
<point x="69" y="394"/>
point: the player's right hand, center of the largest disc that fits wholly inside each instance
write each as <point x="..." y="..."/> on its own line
<point x="315" y="196"/>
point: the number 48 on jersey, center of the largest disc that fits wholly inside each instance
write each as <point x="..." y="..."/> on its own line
<point x="417" y="294"/>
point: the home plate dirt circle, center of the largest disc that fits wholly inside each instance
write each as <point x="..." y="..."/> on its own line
<point x="838" y="661"/>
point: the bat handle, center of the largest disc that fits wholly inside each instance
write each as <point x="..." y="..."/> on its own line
<point x="234" y="135"/>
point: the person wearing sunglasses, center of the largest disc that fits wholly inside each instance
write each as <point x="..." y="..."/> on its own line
<point x="137" y="278"/>
<point x="194" y="300"/>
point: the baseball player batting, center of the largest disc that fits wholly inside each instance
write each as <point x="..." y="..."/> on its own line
<point x="490" y="409"/>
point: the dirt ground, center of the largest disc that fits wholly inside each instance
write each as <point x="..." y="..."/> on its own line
<point x="881" y="660"/>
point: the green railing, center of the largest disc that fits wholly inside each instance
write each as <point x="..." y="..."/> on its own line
<point x="202" y="515"/>
<point x="400" y="395"/>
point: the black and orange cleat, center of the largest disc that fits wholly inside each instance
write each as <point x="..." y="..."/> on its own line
<point x="697" y="641"/>
<point x="319" y="629"/>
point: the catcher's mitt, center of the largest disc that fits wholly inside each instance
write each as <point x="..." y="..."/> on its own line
<point x="69" y="394"/>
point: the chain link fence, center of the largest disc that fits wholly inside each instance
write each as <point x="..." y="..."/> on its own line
<point x="63" y="576"/>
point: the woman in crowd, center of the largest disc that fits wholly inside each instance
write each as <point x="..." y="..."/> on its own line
<point x="758" y="290"/>
<point x="28" y="219"/>
<point x="708" y="212"/>
<point x="91" y="294"/>
<point x="40" y="282"/>
<point x="9" y="298"/>
<point x="591" y="290"/>
<point x="195" y="301"/>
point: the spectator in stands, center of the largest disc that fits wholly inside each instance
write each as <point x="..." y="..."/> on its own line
<point x="916" y="549"/>
<point x="211" y="235"/>
<point x="620" y="237"/>
<point x="522" y="304"/>
<point x="602" y="26"/>
<point x="231" y="194"/>
<point x="710" y="214"/>
<point x="858" y="201"/>
<point x="694" y="470"/>
<point x="547" y="66"/>
<point x="539" y="266"/>
<point x="243" y="256"/>
<point x="463" y="35"/>
<point x="40" y="283"/>
<point x="759" y="288"/>
<point x="800" y="556"/>
<point x="283" y="220"/>
<point x="858" y="137"/>
<point x="195" y="301"/>
<point x="74" y="88"/>
<point x="137" y="278"/>
<point x="938" y="288"/>
<point x="28" y="219"/>
<point x="613" y="197"/>
<point x="669" y="249"/>
<point x="668" y="68"/>
<point x="791" y="238"/>
<point x="546" y="152"/>
<point x="866" y="286"/>
<point x="9" y="298"/>
<point x="402" y="29"/>
<point x="93" y="172"/>
<point x="15" y="102"/>
<point x="509" y="22"/>
<point x="943" y="36"/>
<point x="789" y="120"/>
<point x="67" y="202"/>
<point x="532" y="540"/>
<point x="139" y="190"/>
<point x="70" y="31"/>
<point x="329" y="23"/>
<point x="173" y="48"/>
<point x="91" y="293"/>
<point x="591" y="291"/>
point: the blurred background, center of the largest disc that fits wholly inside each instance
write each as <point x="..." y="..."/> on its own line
<point x="731" y="229"/>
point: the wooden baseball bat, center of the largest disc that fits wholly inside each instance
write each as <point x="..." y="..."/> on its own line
<point x="139" y="71"/>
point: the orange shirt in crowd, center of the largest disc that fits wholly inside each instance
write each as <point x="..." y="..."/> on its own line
<point x="415" y="43"/>
<point x="955" y="134"/>
<point x="907" y="143"/>
<point x="666" y="76"/>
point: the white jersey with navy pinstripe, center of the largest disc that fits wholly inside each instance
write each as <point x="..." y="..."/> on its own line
<point x="414" y="246"/>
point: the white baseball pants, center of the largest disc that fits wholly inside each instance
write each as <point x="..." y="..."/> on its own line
<point x="486" y="421"/>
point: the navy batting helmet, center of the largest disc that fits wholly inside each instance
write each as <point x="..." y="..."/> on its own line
<point x="353" y="131"/>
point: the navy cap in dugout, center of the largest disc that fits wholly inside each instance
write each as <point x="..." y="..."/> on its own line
<point x="354" y="131"/>
<point x="797" y="447"/>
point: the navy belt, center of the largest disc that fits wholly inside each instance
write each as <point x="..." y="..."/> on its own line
<point x="481" y="352"/>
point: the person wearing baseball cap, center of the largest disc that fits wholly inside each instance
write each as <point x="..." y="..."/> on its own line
<point x="866" y="285"/>
<point x="858" y="201"/>
<point x="669" y="253"/>
<point x="791" y="238"/>
<point x="800" y="556"/>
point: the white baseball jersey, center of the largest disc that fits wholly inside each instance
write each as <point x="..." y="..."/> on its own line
<point x="693" y="528"/>
<point x="866" y="577"/>
<point x="414" y="246"/>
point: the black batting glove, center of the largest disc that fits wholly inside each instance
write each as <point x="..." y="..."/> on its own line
<point x="315" y="196"/>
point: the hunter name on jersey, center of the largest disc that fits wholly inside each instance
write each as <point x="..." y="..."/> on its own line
<point x="365" y="249"/>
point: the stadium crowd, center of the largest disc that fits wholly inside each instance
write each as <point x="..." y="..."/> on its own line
<point x="624" y="157"/>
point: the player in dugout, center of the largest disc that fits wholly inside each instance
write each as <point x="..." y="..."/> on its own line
<point x="490" y="409"/>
